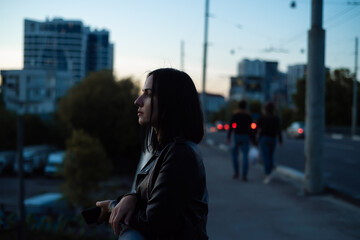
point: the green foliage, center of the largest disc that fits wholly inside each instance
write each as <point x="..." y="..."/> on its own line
<point x="85" y="165"/>
<point x="287" y="117"/>
<point x="338" y="98"/>
<point x="255" y="106"/>
<point x="7" y="129"/>
<point x="225" y="113"/>
<point x="36" y="130"/>
<point x="299" y="99"/>
<point x="52" y="226"/>
<point x="104" y="108"/>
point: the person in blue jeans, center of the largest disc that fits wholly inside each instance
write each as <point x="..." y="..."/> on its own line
<point x="269" y="128"/>
<point x="240" y="124"/>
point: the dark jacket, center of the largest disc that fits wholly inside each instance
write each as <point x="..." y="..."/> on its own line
<point x="172" y="195"/>
<point x="270" y="126"/>
<point x="242" y="120"/>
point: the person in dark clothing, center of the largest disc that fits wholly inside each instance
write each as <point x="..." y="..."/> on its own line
<point x="269" y="128"/>
<point x="170" y="200"/>
<point x="241" y="125"/>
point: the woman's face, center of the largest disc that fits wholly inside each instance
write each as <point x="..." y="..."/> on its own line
<point x="144" y="104"/>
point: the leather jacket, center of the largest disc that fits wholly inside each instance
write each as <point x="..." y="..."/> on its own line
<point x="172" y="195"/>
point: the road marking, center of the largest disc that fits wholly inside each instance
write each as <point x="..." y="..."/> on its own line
<point x="210" y="142"/>
<point x="339" y="146"/>
<point x="356" y="138"/>
<point x="291" y="172"/>
<point x="224" y="147"/>
<point x="337" y="136"/>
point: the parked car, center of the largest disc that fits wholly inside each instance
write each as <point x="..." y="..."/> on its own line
<point x="46" y="203"/>
<point x="34" y="158"/>
<point x="54" y="163"/>
<point x="7" y="159"/>
<point x="296" y="130"/>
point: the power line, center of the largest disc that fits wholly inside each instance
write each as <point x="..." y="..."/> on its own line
<point x="336" y="24"/>
<point x="342" y="13"/>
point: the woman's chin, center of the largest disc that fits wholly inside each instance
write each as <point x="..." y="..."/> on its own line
<point x="141" y="121"/>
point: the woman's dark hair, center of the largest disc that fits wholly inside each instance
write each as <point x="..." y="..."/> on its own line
<point x="179" y="110"/>
<point x="269" y="108"/>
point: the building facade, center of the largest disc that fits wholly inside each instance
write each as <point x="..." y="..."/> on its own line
<point x="257" y="80"/>
<point x="34" y="91"/>
<point x="294" y="73"/>
<point x="66" y="45"/>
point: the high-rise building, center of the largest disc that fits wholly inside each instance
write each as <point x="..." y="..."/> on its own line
<point x="57" y="54"/>
<point x="66" y="45"/>
<point x="99" y="51"/>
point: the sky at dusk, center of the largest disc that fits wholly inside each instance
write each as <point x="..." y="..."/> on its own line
<point x="148" y="34"/>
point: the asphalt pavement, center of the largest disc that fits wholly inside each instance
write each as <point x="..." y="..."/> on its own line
<point x="278" y="210"/>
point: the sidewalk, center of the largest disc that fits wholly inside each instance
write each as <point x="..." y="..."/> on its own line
<point x="279" y="210"/>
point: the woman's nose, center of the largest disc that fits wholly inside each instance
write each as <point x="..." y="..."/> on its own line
<point x="139" y="101"/>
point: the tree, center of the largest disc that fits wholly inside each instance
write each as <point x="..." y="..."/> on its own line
<point x="104" y="108"/>
<point x="36" y="130"/>
<point x="7" y="128"/>
<point x="338" y="98"/>
<point x="85" y="165"/>
<point x="299" y="99"/>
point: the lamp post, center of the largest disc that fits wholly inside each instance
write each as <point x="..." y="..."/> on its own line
<point x="315" y="103"/>
<point x="20" y="161"/>
<point x="203" y="95"/>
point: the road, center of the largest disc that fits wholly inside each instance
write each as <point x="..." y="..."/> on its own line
<point x="341" y="160"/>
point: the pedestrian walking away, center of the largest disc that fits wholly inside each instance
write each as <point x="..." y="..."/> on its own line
<point x="170" y="199"/>
<point x="240" y="124"/>
<point x="269" y="128"/>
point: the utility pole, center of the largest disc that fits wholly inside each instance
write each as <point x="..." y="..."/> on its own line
<point x="203" y="95"/>
<point x="182" y="55"/>
<point x="354" y="110"/>
<point x="315" y="102"/>
<point x="21" y="207"/>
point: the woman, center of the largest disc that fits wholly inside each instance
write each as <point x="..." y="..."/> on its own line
<point x="170" y="198"/>
<point x="269" y="128"/>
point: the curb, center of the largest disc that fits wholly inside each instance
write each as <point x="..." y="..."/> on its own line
<point x="298" y="176"/>
<point x="290" y="172"/>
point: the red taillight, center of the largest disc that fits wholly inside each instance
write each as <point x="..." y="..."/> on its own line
<point x="220" y="126"/>
<point x="233" y="125"/>
<point x="253" y="125"/>
<point x="300" y="131"/>
<point x="226" y="126"/>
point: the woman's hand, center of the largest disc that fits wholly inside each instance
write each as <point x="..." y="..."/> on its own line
<point x="122" y="212"/>
<point x="104" y="205"/>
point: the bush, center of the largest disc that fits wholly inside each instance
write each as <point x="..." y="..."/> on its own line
<point x="85" y="166"/>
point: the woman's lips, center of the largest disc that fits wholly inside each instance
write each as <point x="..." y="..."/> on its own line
<point x="140" y="113"/>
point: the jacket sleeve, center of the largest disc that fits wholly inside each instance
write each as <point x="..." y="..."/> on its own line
<point x="172" y="191"/>
<point x="231" y="128"/>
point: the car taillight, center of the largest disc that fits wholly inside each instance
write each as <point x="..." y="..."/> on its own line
<point x="300" y="131"/>
<point x="226" y="126"/>
<point x="233" y="125"/>
<point x="253" y="125"/>
<point x="220" y="126"/>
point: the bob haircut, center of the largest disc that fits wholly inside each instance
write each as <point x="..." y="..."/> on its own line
<point x="179" y="110"/>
